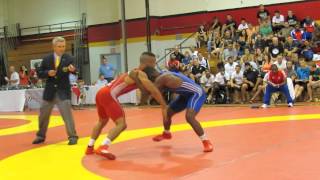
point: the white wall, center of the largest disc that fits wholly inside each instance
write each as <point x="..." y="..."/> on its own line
<point x="3" y="13"/>
<point x="102" y="11"/>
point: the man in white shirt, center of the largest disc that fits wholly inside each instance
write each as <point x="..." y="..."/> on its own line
<point x="101" y="81"/>
<point x="236" y="82"/>
<point x="14" y="80"/>
<point x="281" y="63"/>
<point x="230" y="67"/>
<point x="221" y="84"/>
<point x="243" y="25"/>
<point x="203" y="61"/>
<point x="277" y="21"/>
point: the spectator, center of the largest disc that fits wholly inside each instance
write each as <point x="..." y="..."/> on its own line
<point x="14" y="80"/>
<point x="281" y="63"/>
<point x="230" y="25"/>
<point x="207" y="81"/>
<point x="243" y="41"/>
<point x="173" y="64"/>
<point x="243" y="25"/>
<point x="108" y="70"/>
<point x="265" y="28"/>
<point x="221" y="84"/>
<point x="290" y="47"/>
<point x="276" y="81"/>
<point x="259" y="42"/>
<point x="101" y="81"/>
<point x="284" y="33"/>
<point x="309" y="26"/>
<point x="216" y="25"/>
<point x="215" y="42"/>
<point x="187" y="58"/>
<point x="251" y="31"/>
<point x="314" y="80"/>
<point x="258" y="56"/>
<point x="201" y="36"/>
<point x="250" y="81"/>
<point x="263" y="14"/>
<point x="23" y="75"/>
<point x="266" y="66"/>
<point x="203" y="61"/>
<point x="276" y="48"/>
<point x="277" y="21"/>
<point x="228" y="38"/>
<point x="230" y="51"/>
<point x="289" y="71"/>
<point x="297" y="34"/>
<point x="303" y="73"/>
<point x="179" y="56"/>
<point x="73" y="78"/>
<point x="236" y="81"/>
<point x="197" y="70"/>
<point x="230" y="67"/>
<point x="292" y="19"/>
<point x="306" y="51"/>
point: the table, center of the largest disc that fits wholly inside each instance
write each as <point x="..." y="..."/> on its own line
<point x="12" y="100"/>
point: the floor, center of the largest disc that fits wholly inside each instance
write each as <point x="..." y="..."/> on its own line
<point x="278" y="143"/>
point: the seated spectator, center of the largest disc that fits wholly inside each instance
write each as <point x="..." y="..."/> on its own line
<point x="292" y="19"/>
<point x="23" y="75"/>
<point x="306" y="51"/>
<point x="290" y="47"/>
<point x="251" y="31"/>
<point x="230" y="51"/>
<point x="265" y="29"/>
<point x="276" y="48"/>
<point x="221" y="85"/>
<point x="73" y="78"/>
<point x="303" y="73"/>
<point x="197" y="70"/>
<point x="250" y="81"/>
<point x="215" y="42"/>
<point x="242" y="41"/>
<point x="14" y="80"/>
<point x="314" y="81"/>
<point x="259" y="42"/>
<point x="230" y="25"/>
<point x="236" y="82"/>
<point x="230" y="67"/>
<point x="173" y="64"/>
<point x="187" y="58"/>
<point x="201" y="36"/>
<point x="263" y="14"/>
<point x="266" y="65"/>
<point x="284" y="33"/>
<point x="277" y="21"/>
<point x="309" y="26"/>
<point x="297" y="34"/>
<point x="243" y="25"/>
<point x="281" y="63"/>
<point x="216" y="25"/>
<point x="276" y="81"/>
<point x="101" y="81"/>
<point x="203" y="61"/>
<point x="258" y="57"/>
<point x="289" y="71"/>
<point x="179" y="56"/>
<point x="228" y="38"/>
<point x="206" y="81"/>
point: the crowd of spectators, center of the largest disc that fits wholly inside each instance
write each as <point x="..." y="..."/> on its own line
<point x="246" y="53"/>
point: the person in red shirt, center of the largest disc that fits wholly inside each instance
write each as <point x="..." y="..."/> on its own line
<point x="24" y="77"/>
<point x="276" y="81"/>
<point x="173" y="64"/>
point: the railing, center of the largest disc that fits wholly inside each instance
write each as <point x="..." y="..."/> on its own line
<point x="37" y="30"/>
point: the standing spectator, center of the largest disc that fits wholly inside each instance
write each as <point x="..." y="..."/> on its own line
<point x="23" y="75"/>
<point x="314" y="80"/>
<point x="243" y="25"/>
<point x="292" y="19"/>
<point x="55" y="68"/>
<point x="276" y="81"/>
<point x="101" y="81"/>
<point x="173" y="64"/>
<point x="250" y="81"/>
<point x="108" y="70"/>
<point x="14" y="80"/>
<point x="303" y="73"/>
<point x="277" y="21"/>
<point x="263" y="14"/>
<point x="179" y="56"/>
<point x="276" y="48"/>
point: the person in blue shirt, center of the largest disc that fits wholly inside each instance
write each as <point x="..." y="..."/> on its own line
<point x="303" y="73"/>
<point x="108" y="70"/>
<point x="191" y="97"/>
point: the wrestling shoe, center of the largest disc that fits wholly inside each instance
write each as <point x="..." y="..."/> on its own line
<point x="90" y="150"/>
<point x="207" y="146"/>
<point x="103" y="151"/>
<point x="164" y="135"/>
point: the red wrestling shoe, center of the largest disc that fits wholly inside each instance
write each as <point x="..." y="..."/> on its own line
<point x="164" y="135"/>
<point x="90" y="150"/>
<point x="103" y="151"/>
<point x="207" y="146"/>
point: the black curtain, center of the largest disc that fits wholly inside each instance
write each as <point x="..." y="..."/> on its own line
<point x="3" y="71"/>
